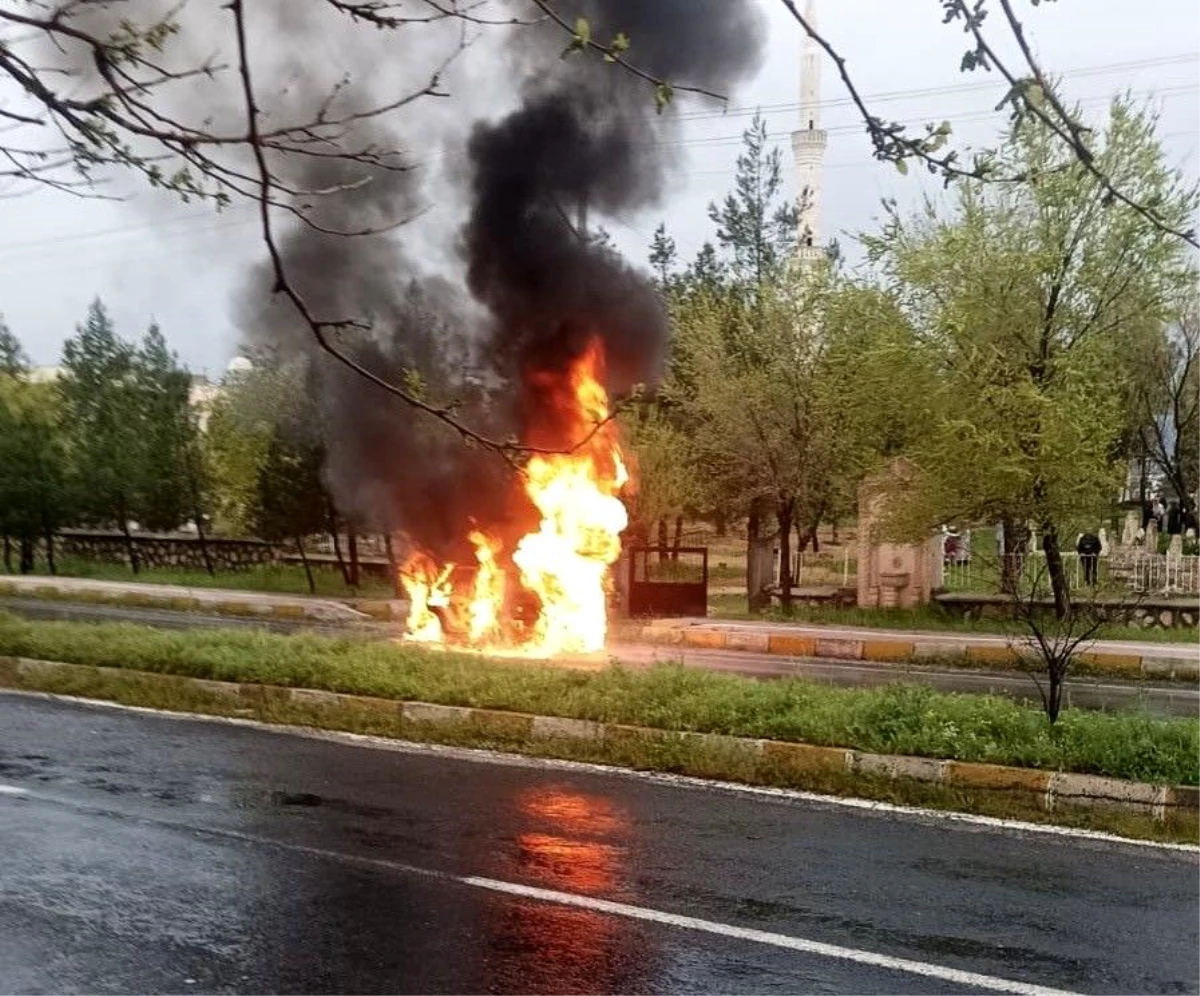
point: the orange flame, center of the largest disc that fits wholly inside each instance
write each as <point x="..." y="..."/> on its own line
<point x="565" y="561"/>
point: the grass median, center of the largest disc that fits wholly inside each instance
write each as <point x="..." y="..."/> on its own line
<point x="898" y="719"/>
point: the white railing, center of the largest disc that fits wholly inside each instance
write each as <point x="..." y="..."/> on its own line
<point x="1142" y="573"/>
<point x="1157" y="573"/>
<point x="982" y="574"/>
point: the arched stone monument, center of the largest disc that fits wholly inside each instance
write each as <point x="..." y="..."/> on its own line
<point x="892" y="574"/>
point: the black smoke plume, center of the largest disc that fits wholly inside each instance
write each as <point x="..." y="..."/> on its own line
<point x="584" y="142"/>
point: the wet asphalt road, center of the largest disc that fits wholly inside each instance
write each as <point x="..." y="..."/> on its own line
<point x="1083" y="692"/>
<point x="145" y="853"/>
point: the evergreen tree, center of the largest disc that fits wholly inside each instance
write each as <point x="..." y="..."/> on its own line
<point x="754" y="224"/>
<point x="168" y="431"/>
<point x="101" y="398"/>
<point x="13" y="360"/>
<point x="663" y="257"/>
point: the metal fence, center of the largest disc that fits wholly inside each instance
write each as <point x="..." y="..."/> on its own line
<point x="1157" y="573"/>
<point x="1143" y="573"/>
<point x="983" y="575"/>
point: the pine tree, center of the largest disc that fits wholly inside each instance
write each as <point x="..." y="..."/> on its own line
<point x="168" y="433"/>
<point x="663" y="257"/>
<point x="101" y="398"/>
<point x="13" y="360"/>
<point x="754" y="224"/>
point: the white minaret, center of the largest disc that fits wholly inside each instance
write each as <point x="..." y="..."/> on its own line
<point x="808" y="146"/>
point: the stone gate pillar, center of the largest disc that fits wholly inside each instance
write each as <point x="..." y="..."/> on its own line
<point x="892" y="575"/>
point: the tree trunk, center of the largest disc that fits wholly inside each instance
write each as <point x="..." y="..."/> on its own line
<point x="7" y="554"/>
<point x="783" y="517"/>
<point x="1054" y="693"/>
<point x="337" y="542"/>
<point x="50" y="564"/>
<point x="1058" y="574"/>
<point x="816" y="540"/>
<point x="756" y="601"/>
<point x="721" y="524"/>
<point x="662" y="539"/>
<point x="130" y="546"/>
<point x="352" y="544"/>
<point x="26" y="554"/>
<point x="393" y="567"/>
<point x="198" y="518"/>
<point x="202" y="536"/>
<point x="677" y="541"/>
<point x="312" y="585"/>
<point x="1016" y="539"/>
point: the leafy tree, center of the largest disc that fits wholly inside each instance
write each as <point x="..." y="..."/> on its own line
<point x="34" y="489"/>
<point x="761" y="403"/>
<point x="104" y="416"/>
<point x="243" y="420"/>
<point x="667" y="480"/>
<point x="291" y="500"/>
<point x="1027" y="296"/>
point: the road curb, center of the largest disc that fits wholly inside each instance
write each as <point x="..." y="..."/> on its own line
<point x="965" y="785"/>
<point x="892" y="650"/>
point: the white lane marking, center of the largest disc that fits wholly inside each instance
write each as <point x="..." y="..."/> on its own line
<point x="13" y="790"/>
<point x="480" y="756"/>
<point x="628" y="911"/>
<point x="836" y="951"/>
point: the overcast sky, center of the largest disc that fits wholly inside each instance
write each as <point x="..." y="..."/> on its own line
<point x="181" y="267"/>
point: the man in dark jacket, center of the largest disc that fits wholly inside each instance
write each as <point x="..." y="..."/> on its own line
<point x="1088" y="548"/>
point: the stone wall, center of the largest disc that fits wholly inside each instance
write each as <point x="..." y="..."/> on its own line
<point x="1148" y="613"/>
<point x="165" y="550"/>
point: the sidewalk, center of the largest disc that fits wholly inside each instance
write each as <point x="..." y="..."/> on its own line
<point x="171" y="596"/>
<point x="869" y="644"/>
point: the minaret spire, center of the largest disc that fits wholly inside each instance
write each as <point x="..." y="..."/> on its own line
<point x="808" y="145"/>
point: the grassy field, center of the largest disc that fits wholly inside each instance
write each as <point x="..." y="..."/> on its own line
<point x="900" y="719"/>
<point x="282" y="579"/>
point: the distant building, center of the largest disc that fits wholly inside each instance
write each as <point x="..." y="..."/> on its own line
<point x="45" y="375"/>
<point x="201" y="394"/>
<point x="808" y="148"/>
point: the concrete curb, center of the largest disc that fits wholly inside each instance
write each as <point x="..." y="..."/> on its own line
<point x="176" y="598"/>
<point x="891" y="650"/>
<point x="798" y="764"/>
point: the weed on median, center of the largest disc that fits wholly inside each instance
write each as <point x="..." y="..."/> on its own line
<point x="899" y="719"/>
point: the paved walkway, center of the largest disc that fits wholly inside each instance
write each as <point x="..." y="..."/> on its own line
<point x="267" y="603"/>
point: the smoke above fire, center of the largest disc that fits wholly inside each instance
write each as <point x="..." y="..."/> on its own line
<point x="496" y="323"/>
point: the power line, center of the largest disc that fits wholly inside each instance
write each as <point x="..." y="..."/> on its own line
<point x="246" y="215"/>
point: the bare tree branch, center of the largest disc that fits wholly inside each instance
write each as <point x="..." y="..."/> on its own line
<point x="1033" y="95"/>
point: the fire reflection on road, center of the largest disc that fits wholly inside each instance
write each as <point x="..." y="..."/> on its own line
<point x="575" y="843"/>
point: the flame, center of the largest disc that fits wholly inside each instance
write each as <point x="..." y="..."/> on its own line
<point x="427" y="588"/>
<point x="564" y="563"/>
<point x="487" y="596"/>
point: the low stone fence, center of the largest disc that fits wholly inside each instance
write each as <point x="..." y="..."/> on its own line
<point x="166" y="549"/>
<point x="1157" y="612"/>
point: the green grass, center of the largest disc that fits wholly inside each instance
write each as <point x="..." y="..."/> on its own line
<point x="899" y="719"/>
<point x="282" y="579"/>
